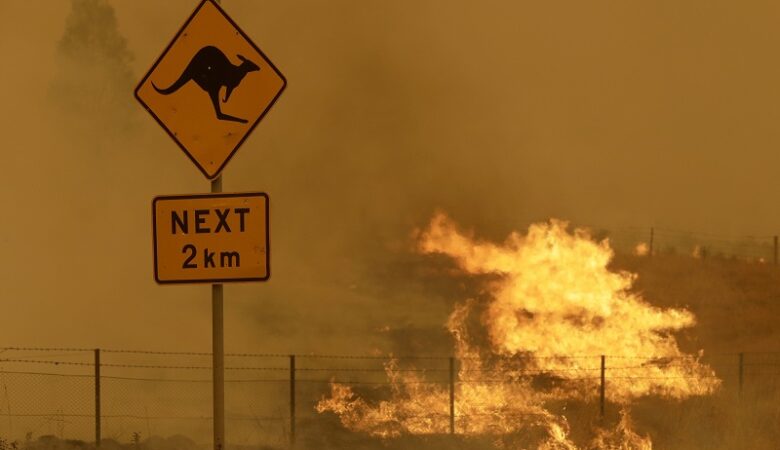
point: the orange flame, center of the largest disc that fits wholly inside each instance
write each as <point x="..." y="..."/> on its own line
<point x="622" y="437"/>
<point x="642" y="249"/>
<point x="554" y="308"/>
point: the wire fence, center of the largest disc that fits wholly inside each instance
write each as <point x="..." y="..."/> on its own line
<point x="63" y="393"/>
<point x="658" y="240"/>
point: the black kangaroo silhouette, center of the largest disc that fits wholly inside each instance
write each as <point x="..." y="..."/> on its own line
<point x="211" y="70"/>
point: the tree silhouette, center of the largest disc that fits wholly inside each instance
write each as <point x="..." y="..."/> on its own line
<point x="94" y="79"/>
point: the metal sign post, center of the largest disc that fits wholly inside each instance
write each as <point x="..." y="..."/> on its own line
<point x="208" y="90"/>
<point x="218" y="350"/>
<point x="218" y="347"/>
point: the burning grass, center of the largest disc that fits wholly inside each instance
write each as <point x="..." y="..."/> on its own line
<point x="552" y="305"/>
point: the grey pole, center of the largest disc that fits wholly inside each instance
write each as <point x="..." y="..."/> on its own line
<point x="218" y="351"/>
<point x="218" y="347"/>
<point x="97" y="398"/>
<point x="292" y="401"/>
<point x="602" y="389"/>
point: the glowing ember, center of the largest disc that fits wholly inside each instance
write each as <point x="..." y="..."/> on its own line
<point x="642" y="249"/>
<point x="554" y="308"/>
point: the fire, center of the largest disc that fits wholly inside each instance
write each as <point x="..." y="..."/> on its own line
<point x="554" y="308"/>
<point x="642" y="249"/>
<point x="622" y="437"/>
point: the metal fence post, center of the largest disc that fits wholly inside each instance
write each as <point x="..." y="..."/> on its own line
<point x="97" y="398"/>
<point x="218" y="350"/>
<point x="452" y="395"/>
<point x="603" y="370"/>
<point x="292" y="401"/>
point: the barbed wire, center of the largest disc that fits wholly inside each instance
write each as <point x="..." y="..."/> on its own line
<point x="645" y="230"/>
<point x="133" y="366"/>
<point x="125" y="396"/>
<point x="672" y="241"/>
<point x="384" y="383"/>
<point x="537" y="371"/>
<point x="168" y="353"/>
<point x="47" y="349"/>
<point x="388" y="357"/>
<point x="709" y="235"/>
<point x="4" y="372"/>
<point x="312" y="383"/>
<point x="139" y="417"/>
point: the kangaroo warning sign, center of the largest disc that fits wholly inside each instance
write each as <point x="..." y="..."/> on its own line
<point x="210" y="88"/>
<point x="211" y="238"/>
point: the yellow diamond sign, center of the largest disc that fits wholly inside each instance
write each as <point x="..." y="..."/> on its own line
<point x="210" y="88"/>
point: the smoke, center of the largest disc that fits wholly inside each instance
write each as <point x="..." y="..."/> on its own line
<point x="93" y="74"/>
<point x="499" y="113"/>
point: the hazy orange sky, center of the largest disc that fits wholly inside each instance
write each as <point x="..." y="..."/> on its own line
<point x="501" y="113"/>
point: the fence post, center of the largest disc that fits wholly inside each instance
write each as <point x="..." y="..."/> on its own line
<point x="452" y="395"/>
<point x="97" y="398"/>
<point x="775" y="253"/>
<point x="652" y="236"/>
<point x="741" y="372"/>
<point x="292" y="401"/>
<point x="602" y="390"/>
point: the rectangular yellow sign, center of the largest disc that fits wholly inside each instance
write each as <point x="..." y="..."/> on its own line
<point x="211" y="238"/>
